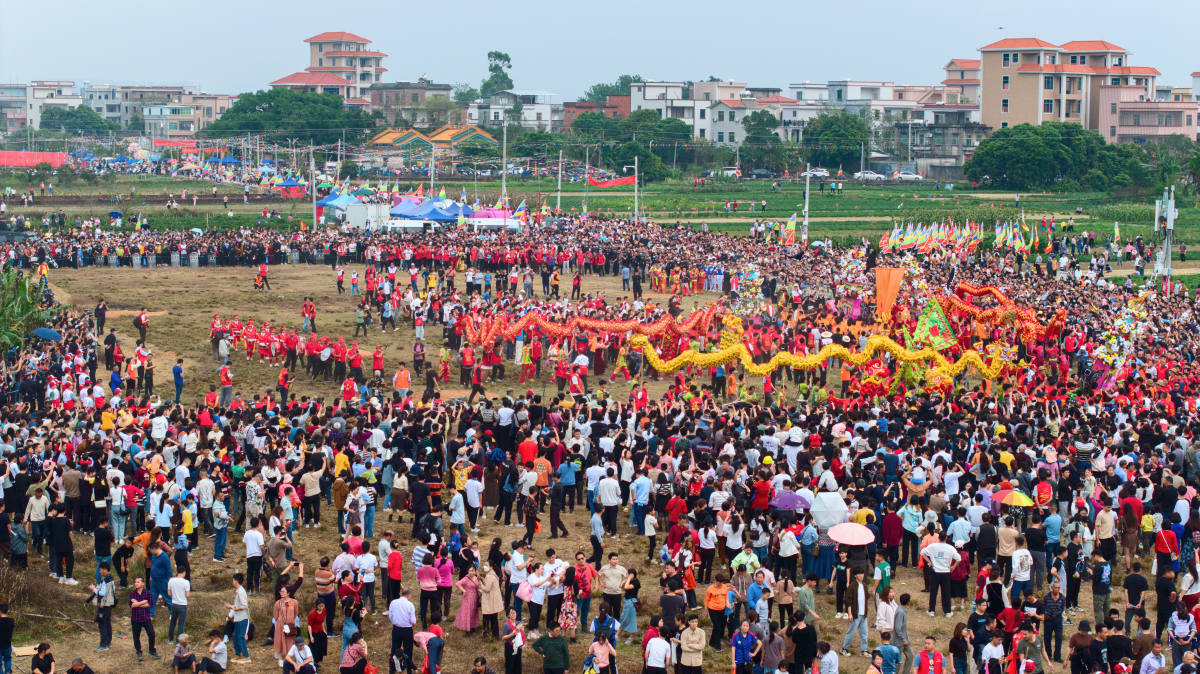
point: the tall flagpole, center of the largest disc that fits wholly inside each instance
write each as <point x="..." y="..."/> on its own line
<point x="558" y="199"/>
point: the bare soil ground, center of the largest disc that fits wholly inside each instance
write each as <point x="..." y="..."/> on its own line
<point x="182" y="302"/>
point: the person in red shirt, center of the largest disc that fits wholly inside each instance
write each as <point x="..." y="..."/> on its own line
<point x="356" y="359"/>
<point x="377" y="361"/>
<point x="349" y="388"/>
<point x="284" y="384"/>
<point x="477" y="380"/>
<point x="262" y="271"/>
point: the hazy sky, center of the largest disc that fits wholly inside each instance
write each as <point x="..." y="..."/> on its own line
<point x="229" y="46"/>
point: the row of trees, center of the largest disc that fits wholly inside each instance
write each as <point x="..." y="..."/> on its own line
<point x="1064" y="156"/>
<point x="78" y="119"/>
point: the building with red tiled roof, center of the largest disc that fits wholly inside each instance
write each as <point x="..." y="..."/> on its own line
<point x="1031" y="81"/>
<point x="319" y="83"/>
<point x="346" y="56"/>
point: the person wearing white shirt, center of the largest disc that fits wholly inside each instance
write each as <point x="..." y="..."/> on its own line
<point x="943" y="557"/>
<point x="473" y="490"/>
<point x="608" y="492"/>
<point x="299" y="659"/>
<point x="657" y="655"/>
<point x="366" y="565"/>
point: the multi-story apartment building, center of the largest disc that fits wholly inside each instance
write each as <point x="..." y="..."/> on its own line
<point x="962" y="81"/>
<point x="105" y="99"/>
<point x="184" y="116"/>
<point x="1127" y="116"/>
<point x="135" y="97"/>
<point x="21" y="105"/>
<point x="539" y="112"/>
<point x="1030" y="81"/>
<point x="688" y="103"/>
<point x="407" y="100"/>
<point x="347" y="56"/>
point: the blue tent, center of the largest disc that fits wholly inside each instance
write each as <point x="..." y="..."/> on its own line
<point x="343" y="201"/>
<point x="455" y="209"/>
<point x="211" y="159"/>
<point x="268" y="161"/>
<point x="440" y="215"/>
<point x="120" y="158"/>
<point x="289" y="183"/>
<point x="404" y="208"/>
<point x="328" y="201"/>
<point x="230" y="160"/>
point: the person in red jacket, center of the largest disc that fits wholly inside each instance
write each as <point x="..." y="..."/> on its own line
<point x="891" y="533"/>
<point x="477" y="380"/>
<point x="262" y="271"/>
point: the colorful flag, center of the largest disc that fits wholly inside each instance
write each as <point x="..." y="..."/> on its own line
<point x="462" y="222"/>
<point x="791" y="230"/>
<point x="442" y="194"/>
<point x="463" y="198"/>
<point x="840" y="174"/>
<point x="1116" y="231"/>
<point x="934" y="328"/>
<point x="584" y="216"/>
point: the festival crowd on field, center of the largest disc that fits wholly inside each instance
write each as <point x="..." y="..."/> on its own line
<point x="1003" y="499"/>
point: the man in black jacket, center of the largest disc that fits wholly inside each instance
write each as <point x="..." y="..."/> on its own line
<point x="62" y="545"/>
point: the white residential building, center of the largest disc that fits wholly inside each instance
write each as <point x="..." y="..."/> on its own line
<point x="539" y="112"/>
<point x="22" y="105"/>
<point x="807" y="91"/>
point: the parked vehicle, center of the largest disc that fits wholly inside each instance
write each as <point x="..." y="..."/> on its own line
<point x="815" y="173"/>
<point x="731" y="172"/>
<point x="908" y="175"/>
<point x="761" y="173"/>
<point x="868" y="175"/>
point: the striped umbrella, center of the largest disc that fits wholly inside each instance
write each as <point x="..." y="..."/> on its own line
<point x="1012" y="497"/>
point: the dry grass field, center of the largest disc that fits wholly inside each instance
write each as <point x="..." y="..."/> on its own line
<point x="181" y="303"/>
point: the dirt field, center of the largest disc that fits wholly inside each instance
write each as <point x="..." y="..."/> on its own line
<point x="182" y="302"/>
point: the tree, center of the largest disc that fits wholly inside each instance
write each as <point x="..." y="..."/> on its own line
<point x="499" y="64"/>
<point x="650" y="167"/>
<point x="317" y="118"/>
<point x="348" y="169"/>
<point x="836" y="136"/>
<point x="79" y="118"/>
<point x="438" y="110"/>
<point x="642" y="125"/>
<point x="514" y="114"/>
<point x="20" y="312"/>
<point x="599" y="93"/>
<point x="761" y="124"/>
<point x="595" y="126"/>
<point x="465" y="93"/>
<point x="762" y="148"/>
<point x="1027" y="156"/>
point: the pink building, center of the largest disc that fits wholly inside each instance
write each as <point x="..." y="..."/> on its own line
<point x="1127" y="115"/>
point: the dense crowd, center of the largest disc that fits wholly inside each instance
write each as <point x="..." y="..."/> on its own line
<point x="732" y="482"/>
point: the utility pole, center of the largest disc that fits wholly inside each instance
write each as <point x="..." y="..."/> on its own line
<point x="504" y="165"/>
<point x="1164" y="224"/>
<point x="558" y="199"/>
<point x="807" y="184"/>
<point x="312" y="184"/>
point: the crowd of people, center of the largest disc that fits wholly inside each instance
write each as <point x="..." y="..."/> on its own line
<point x="728" y="483"/>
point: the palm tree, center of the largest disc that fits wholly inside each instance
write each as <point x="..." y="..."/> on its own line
<point x="20" y="310"/>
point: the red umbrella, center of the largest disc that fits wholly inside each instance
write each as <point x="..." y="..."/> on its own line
<point x="850" y="533"/>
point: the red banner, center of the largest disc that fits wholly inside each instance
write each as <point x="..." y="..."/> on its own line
<point x="176" y="143"/>
<point x="30" y="159"/>
<point x="611" y="183"/>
